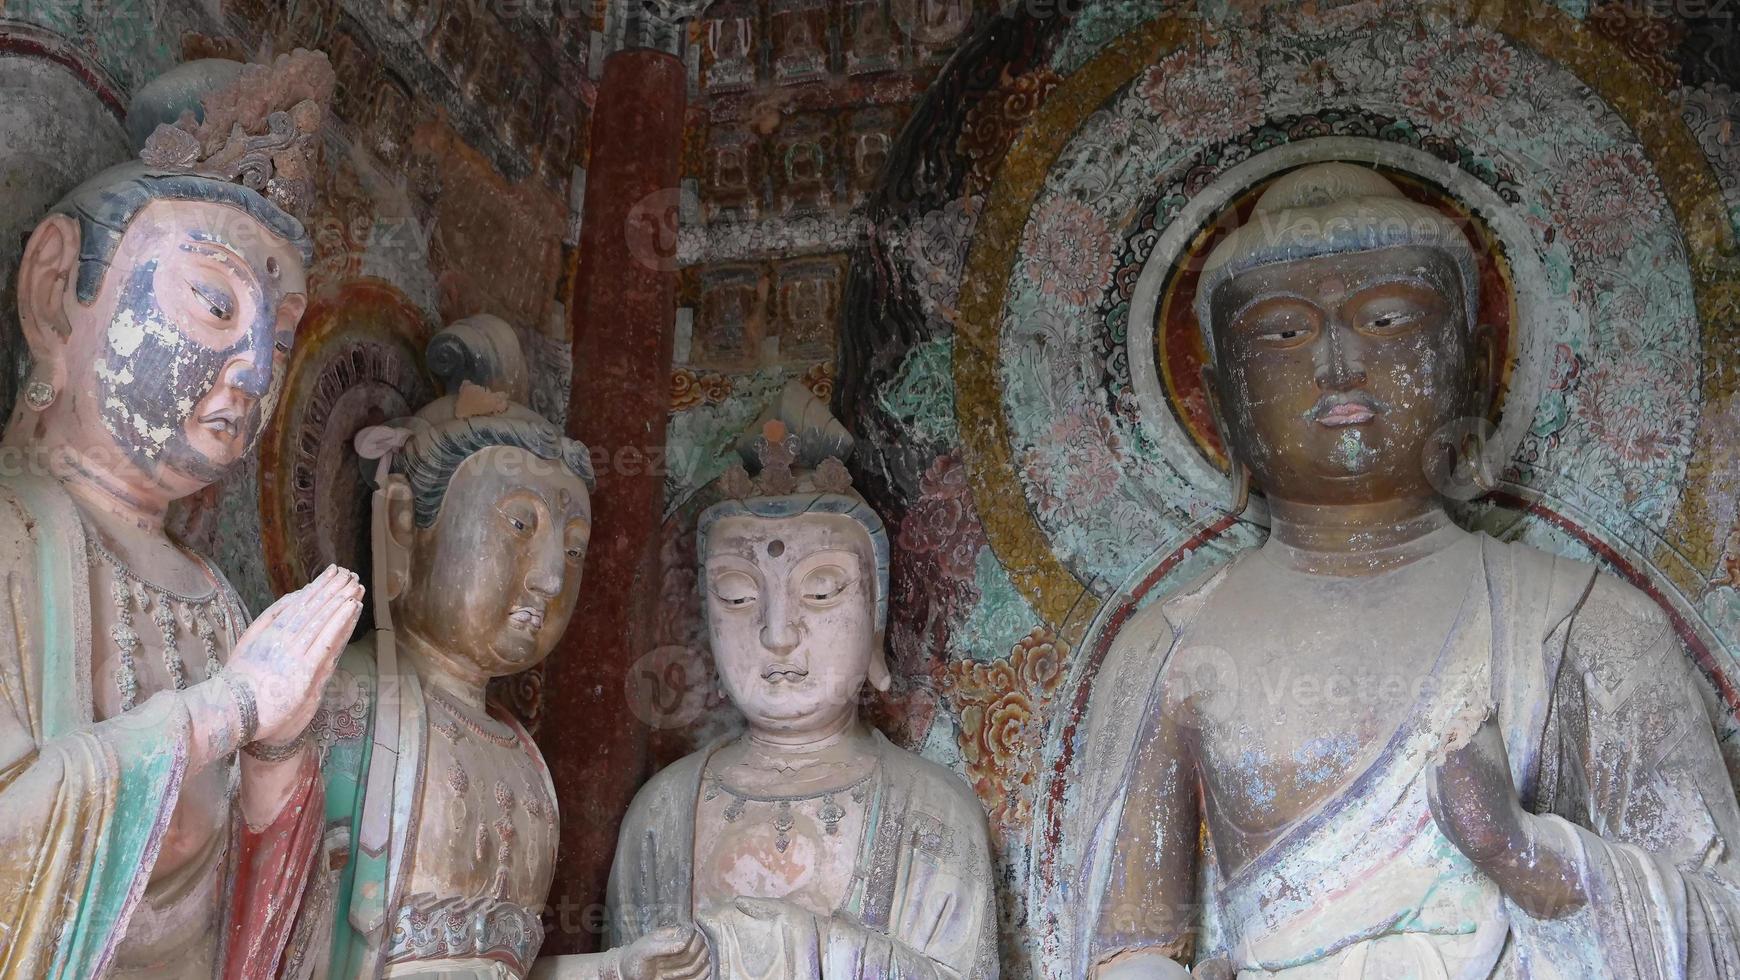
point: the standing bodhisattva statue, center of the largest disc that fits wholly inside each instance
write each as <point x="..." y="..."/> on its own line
<point x="809" y="848"/>
<point x="441" y="817"/>
<point x="159" y="302"/>
<point x="1501" y="766"/>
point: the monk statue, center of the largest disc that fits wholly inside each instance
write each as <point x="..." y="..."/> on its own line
<point x="808" y="847"/>
<point x="1415" y="751"/>
<point x="441" y="821"/>
<point x="159" y="302"/>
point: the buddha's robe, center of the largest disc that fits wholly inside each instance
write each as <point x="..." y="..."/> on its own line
<point x="921" y="902"/>
<point x="1608" y="738"/>
<point x="365" y="916"/>
<point x="86" y="804"/>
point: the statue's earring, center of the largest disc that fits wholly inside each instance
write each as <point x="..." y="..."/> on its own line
<point x="39" y="395"/>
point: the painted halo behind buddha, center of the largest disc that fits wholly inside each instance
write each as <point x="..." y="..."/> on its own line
<point x="1503" y="809"/>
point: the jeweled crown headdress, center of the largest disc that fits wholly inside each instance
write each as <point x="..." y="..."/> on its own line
<point x="794" y="463"/>
<point x="257" y="125"/>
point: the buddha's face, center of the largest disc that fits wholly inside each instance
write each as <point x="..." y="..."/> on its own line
<point x="1333" y="374"/>
<point x="791" y="612"/>
<point x="494" y="579"/>
<point x="172" y="371"/>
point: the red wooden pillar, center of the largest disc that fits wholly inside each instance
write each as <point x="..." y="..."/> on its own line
<point x="622" y="319"/>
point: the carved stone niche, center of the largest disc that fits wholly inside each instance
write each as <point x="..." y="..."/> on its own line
<point x="805" y="158"/>
<point x="312" y="22"/>
<point x="800" y="41"/>
<point x="871" y="41"/>
<point x="870" y="140"/>
<point x="734" y="176"/>
<point x="502" y="83"/>
<point x="556" y="159"/>
<point x="416" y="16"/>
<point x="356" y="67"/>
<point x="485" y="74"/>
<point x="808" y="294"/>
<point x="454" y="41"/>
<point x="389" y="125"/>
<point x="732" y="318"/>
<point x="521" y="118"/>
<point x="729" y="40"/>
<point x="934" y="26"/>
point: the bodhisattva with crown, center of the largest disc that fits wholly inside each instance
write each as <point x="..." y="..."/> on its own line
<point x="1417" y="751"/>
<point x="159" y="302"/>
<point x="442" y="820"/>
<point x="809" y="847"/>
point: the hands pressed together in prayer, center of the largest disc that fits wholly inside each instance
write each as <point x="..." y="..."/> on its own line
<point x="286" y="656"/>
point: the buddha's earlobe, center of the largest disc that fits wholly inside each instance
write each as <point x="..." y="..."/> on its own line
<point x="45" y="288"/>
<point x="1484" y="367"/>
<point x="1238" y="474"/>
<point x="880" y="678"/>
<point x="1238" y="485"/>
<point x="401" y="527"/>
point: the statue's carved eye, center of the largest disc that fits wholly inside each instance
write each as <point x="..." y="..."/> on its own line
<point x="1283" y="320"/>
<point x="734" y="589"/>
<point x="220" y="304"/>
<point x="825" y="584"/>
<point x="519" y="521"/>
<point x="1390" y="321"/>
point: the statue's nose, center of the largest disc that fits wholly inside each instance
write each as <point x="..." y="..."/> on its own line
<point x="778" y="633"/>
<point x="1339" y="364"/>
<point x="250" y="378"/>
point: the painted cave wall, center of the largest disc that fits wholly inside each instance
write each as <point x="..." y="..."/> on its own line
<point x="971" y="226"/>
<point x="1015" y="351"/>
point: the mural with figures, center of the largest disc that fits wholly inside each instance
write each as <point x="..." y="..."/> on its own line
<point x="1018" y="359"/>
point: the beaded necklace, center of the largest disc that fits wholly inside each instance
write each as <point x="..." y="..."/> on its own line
<point x="169" y="610"/>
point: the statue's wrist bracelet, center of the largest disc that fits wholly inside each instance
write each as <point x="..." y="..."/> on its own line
<point x="246" y="706"/>
<point x="268" y="752"/>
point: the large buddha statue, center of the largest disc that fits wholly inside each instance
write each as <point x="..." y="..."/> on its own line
<point x="159" y="302"/>
<point x="1417" y="751"/>
<point x="809" y="847"/>
<point x="442" y="821"/>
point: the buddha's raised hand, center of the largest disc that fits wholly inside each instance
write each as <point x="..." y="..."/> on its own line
<point x="286" y="655"/>
<point x="1475" y="804"/>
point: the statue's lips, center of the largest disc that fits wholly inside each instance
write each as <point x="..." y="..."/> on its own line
<point x="784" y="672"/>
<point x="528" y="618"/>
<point x="1350" y="410"/>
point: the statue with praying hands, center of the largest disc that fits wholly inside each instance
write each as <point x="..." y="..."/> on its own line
<point x="159" y="301"/>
